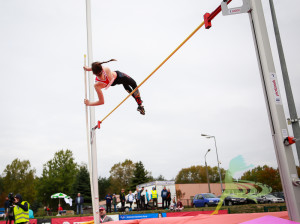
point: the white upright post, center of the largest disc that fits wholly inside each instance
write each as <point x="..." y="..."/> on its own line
<point x="94" y="173"/>
<point x="284" y="154"/>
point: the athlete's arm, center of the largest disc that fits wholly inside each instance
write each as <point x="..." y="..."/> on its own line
<point x="87" y="68"/>
<point x="100" y="100"/>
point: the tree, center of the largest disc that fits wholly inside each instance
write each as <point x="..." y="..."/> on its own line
<point x="121" y="175"/>
<point x="82" y="184"/>
<point x="264" y="175"/>
<point x="193" y="174"/>
<point x="18" y="177"/>
<point x="104" y="186"/>
<point x="59" y="175"/>
<point x="140" y="175"/>
<point x="160" y="178"/>
<point x="197" y="174"/>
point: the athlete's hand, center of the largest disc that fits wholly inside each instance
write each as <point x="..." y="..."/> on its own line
<point x="87" y="68"/>
<point x="86" y="102"/>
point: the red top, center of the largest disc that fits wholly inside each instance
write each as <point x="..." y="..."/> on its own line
<point x="60" y="208"/>
<point x="105" y="81"/>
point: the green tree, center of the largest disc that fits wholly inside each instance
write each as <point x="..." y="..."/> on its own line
<point x="197" y="174"/>
<point x="104" y="187"/>
<point x="19" y="177"/>
<point x="140" y="175"/>
<point x="160" y="178"/>
<point x="59" y="175"/>
<point x="121" y="175"/>
<point x="82" y="184"/>
<point x="264" y="175"/>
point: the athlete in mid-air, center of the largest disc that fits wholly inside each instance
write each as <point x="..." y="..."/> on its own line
<point x="106" y="78"/>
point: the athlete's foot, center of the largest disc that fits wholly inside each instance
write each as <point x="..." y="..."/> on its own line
<point x="141" y="109"/>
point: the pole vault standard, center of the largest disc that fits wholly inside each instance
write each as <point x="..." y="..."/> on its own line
<point x="285" y="158"/>
<point x="93" y="153"/>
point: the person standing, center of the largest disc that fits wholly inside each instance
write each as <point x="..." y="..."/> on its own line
<point x="130" y="198"/>
<point x="79" y="204"/>
<point x="115" y="202"/>
<point x="21" y="210"/>
<point x="164" y="193"/>
<point x="138" y="199"/>
<point x="154" y="196"/>
<point x="122" y="199"/>
<point x="9" y="215"/>
<point x="108" y="199"/>
<point x="143" y="196"/>
<point x="147" y="200"/>
<point x="103" y="216"/>
<point x="168" y="198"/>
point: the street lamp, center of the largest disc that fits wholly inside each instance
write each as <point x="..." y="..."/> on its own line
<point x="207" y="171"/>
<point x="210" y="136"/>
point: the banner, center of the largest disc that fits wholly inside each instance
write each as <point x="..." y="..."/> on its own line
<point x="78" y="220"/>
<point x="141" y="216"/>
<point x="44" y="221"/>
<point x="176" y="214"/>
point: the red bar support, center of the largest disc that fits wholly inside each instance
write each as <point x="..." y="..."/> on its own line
<point x="209" y="17"/>
<point x="99" y="122"/>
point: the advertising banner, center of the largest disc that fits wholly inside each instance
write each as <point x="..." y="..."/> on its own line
<point x="78" y="220"/>
<point x="44" y="221"/>
<point x="141" y="216"/>
<point x="176" y="214"/>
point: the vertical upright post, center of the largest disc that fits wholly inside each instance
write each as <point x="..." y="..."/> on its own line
<point x="222" y="190"/>
<point x="284" y="154"/>
<point x="286" y="81"/>
<point x="94" y="173"/>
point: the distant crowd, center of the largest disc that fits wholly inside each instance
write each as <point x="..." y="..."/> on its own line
<point x="143" y="200"/>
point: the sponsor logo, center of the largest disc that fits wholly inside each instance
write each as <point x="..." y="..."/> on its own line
<point x="235" y="10"/>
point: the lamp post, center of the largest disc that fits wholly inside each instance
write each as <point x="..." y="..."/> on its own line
<point x="207" y="171"/>
<point x="210" y="136"/>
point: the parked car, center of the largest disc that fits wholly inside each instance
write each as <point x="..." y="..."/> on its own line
<point x="205" y="200"/>
<point x="272" y="199"/>
<point x="233" y="200"/>
<point x="278" y="195"/>
<point x="253" y="199"/>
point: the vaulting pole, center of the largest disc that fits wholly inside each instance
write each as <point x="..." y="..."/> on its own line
<point x="94" y="173"/>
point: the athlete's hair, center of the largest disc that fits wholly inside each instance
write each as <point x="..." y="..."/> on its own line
<point x="97" y="66"/>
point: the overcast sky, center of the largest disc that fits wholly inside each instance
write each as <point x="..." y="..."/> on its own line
<point x="211" y="85"/>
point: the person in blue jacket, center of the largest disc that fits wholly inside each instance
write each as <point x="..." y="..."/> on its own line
<point x="164" y="194"/>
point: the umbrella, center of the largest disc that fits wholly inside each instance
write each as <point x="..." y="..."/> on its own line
<point x="59" y="196"/>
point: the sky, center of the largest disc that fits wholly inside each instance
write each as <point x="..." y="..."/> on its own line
<point x="210" y="86"/>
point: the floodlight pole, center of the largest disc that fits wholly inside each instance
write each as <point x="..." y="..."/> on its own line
<point x="207" y="176"/>
<point x="93" y="167"/>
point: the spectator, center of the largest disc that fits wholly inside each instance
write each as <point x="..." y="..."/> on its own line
<point x="138" y="199"/>
<point x="179" y="206"/>
<point x="154" y="196"/>
<point x="47" y="210"/>
<point x="122" y="199"/>
<point x="173" y="205"/>
<point x="31" y="216"/>
<point x="60" y="209"/>
<point x="143" y="195"/>
<point x="108" y="199"/>
<point x="147" y="199"/>
<point x="79" y="204"/>
<point x="21" y="210"/>
<point x="164" y="193"/>
<point x="130" y="198"/>
<point x="9" y="214"/>
<point x="115" y="202"/>
<point x="103" y="216"/>
<point x="168" y="198"/>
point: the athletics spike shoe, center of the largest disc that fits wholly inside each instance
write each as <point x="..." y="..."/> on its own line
<point x="141" y="109"/>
